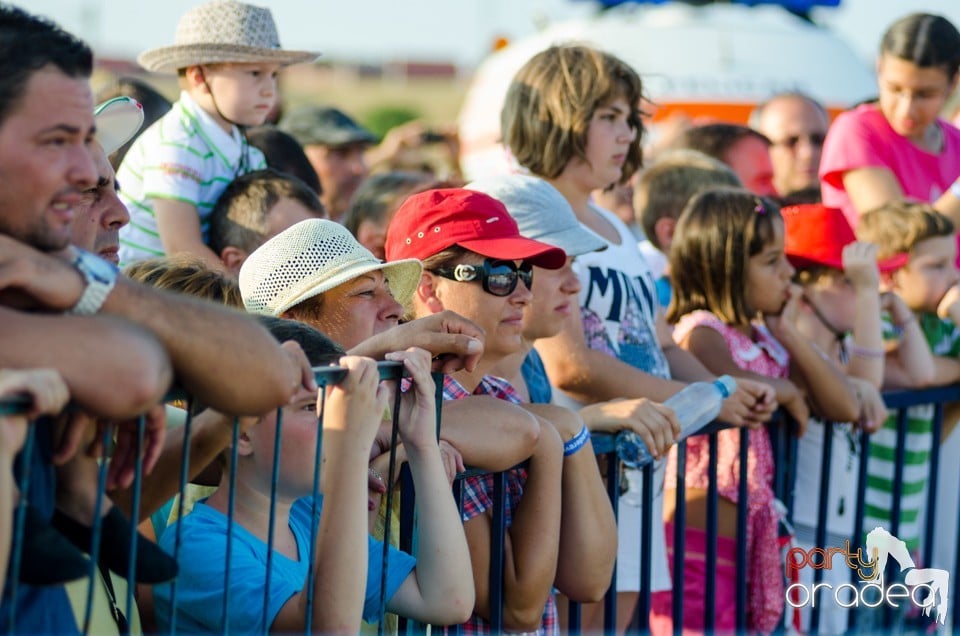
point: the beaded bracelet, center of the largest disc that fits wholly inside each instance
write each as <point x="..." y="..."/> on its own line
<point x="576" y="442"/>
<point x="865" y="352"/>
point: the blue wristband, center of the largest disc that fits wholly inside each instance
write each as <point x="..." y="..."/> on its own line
<point x="576" y="442"/>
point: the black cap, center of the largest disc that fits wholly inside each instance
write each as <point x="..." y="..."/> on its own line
<point x="324" y="126"/>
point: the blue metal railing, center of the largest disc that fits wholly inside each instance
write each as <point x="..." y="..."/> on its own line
<point x="785" y="448"/>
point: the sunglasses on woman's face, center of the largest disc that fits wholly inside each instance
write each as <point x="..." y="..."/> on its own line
<point x="498" y="277"/>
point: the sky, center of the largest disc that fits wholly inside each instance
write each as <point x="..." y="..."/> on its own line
<point x="459" y="31"/>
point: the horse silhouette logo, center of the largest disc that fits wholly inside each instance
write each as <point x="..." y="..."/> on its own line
<point x="881" y="545"/>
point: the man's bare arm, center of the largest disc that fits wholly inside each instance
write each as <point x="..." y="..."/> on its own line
<point x="112" y="367"/>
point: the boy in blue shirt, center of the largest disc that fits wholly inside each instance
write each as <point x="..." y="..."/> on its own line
<point x="227" y="55"/>
<point x="346" y="565"/>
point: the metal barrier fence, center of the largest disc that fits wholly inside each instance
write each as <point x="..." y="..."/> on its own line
<point x="783" y="440"/>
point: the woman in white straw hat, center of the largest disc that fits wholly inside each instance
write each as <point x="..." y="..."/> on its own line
<point x="317" y="273"/>
<point x="227" y="55"/>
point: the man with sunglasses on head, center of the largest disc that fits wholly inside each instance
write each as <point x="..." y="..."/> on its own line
<point x="796" y="125"/>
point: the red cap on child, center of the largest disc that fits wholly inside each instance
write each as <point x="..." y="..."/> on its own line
<point x="816" y="235"/>
<point x="430" y="222"/>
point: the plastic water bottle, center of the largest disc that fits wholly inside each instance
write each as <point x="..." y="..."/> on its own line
<point x="695" y="406"/>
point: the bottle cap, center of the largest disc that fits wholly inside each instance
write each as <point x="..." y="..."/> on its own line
<point x="726" y="384"/>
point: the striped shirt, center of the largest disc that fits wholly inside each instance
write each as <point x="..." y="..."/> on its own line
<point x="944" y="340"/>
<point x="184" y="156"/>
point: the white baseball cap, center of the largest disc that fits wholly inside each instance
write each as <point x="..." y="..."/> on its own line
<point x="541" y="212"/>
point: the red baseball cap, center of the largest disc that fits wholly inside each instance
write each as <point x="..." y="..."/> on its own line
<point x="429" y="222"/>
<point x="816" y="235"/>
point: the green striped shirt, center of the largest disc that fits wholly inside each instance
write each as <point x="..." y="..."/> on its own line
<point x="184" y="156"/>
<point x="944" y="340"/>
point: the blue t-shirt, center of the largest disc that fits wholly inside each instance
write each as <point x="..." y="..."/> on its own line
<point x="202" y="558"/>
<point x="40" y="609"/>
<point x="535" y="375"/>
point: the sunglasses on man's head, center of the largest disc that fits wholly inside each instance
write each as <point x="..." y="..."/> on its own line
<point x="498" y="277"/>
<point x="791" y="142"/>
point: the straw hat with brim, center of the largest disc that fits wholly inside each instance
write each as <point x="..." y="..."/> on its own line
<point x="118" y="120"/>
<point x="310" y="258"/>
<point x="222" y="31"/>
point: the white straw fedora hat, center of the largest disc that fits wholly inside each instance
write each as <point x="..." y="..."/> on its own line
<point x="310" y="258"/>
<point x="222" y="31"/>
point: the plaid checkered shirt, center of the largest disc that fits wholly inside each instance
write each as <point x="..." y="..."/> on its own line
<point x="478" y="495"/>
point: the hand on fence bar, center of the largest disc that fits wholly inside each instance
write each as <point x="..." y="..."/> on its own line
<point x="45" y="388"/>
<point x="655" y="423"/>
<point x="455" y="342"/>
<point x="873" y="412"/>
<point x="299" y="360"/>
<point x="452" y="460"/>
<point x="124" y="459"/>
<point x="751" y="404"/>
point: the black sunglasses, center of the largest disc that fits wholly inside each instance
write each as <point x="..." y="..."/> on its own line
<point x="498" y="277"/>
<point x="815" y="139"/>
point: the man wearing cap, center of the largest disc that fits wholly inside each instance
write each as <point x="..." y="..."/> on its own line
<point x="335" y="145"/>
<point x="227" y="55"/>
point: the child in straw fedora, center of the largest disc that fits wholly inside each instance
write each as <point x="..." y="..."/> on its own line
<point x="227" y="55"/>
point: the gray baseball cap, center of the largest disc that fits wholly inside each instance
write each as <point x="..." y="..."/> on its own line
<point x="324" y="126"/>
<point x="541" y="212"/>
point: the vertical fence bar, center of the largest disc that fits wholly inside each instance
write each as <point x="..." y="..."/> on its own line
<point x="742" y="532"/>
<point x="931" y="513"/>
<point x="394" y="439"/>
<point x="613" y="491"/>
<point x="857" y="539"/>
<point x="573" y="617"/>
<point x="710" y="593"/>
<point x="407" y="538"/>
<point x="97" y="528"/>
<point x="181" y="507"/>
<point x="231" y="505"/>
<point x="458" y="499"/>
<point x="821" y="534"/>
<point x="498" y="532"/>
<point x="323" y="380"/>
<point x="679" y="536"/>
<point x="135" y="517"/>
<point x="16" y="556"/>
<point x="794" y="450"/>
<point x="274" y="480"/>
<point x="646" y="547"/>
<point x="895" y="495"/>
<point x="956" y="588"/>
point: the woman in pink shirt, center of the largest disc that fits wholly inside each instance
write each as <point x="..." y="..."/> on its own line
<point x="898" y="147"/>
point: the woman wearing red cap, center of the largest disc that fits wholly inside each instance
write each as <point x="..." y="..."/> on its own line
<point x="477" y="265"/>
